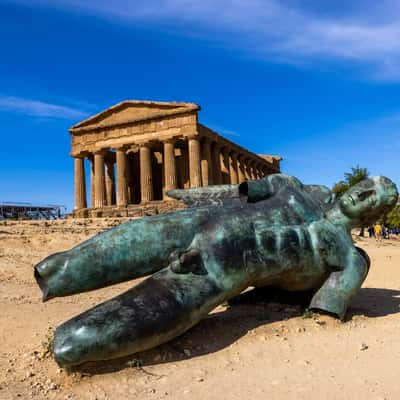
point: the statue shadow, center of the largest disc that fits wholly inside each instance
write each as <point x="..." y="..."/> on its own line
<point x="375" y="302"/>
<point x="243" y="314"/>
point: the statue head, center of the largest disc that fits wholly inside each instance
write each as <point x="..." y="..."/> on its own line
<point x="369" y="200"/>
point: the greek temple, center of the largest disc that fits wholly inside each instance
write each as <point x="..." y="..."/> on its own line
<point x="136" y="151"/>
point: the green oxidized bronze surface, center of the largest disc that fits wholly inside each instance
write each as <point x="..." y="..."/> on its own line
<point x="271" y="232"/>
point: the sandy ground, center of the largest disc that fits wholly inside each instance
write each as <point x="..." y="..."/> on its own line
<point x="252" y="351"/>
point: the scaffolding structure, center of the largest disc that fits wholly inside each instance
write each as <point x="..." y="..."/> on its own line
<point x="16" y="210"/>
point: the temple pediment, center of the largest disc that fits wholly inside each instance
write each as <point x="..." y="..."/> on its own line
<point x="132" y="111"/>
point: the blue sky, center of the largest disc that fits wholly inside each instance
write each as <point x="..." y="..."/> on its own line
<point x="315" y="82"/>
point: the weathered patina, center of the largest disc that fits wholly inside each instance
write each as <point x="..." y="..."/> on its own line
<point x="271" y="232"/>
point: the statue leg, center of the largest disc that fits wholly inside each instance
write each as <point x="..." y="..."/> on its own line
<point x="157" y="310"/>
<point x="128" y="251"/>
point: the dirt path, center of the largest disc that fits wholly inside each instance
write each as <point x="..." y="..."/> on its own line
<point x="252" y="351"/>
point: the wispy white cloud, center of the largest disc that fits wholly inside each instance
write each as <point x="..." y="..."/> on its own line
<point x="363" y="34"/>
<point x="224" y="131"/>
<point x="39" y="108"/>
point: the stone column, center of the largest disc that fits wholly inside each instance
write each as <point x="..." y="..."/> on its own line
<point x="122" y="184"/>
<point x="194" y="162"/>
<point x="80" y="183"/>
<point x="206" y="163"/>
<point x="246" y="168"/>
<point x="92" y="174"/>
<point x="170" y="177"/>
<point x="216" y="163"/>
<point x="146" y="175"/>
<point x="252" y="170"/>
<point x="241" y="169"/>
<point x="260" y="171"/>
<point x="225" y="166"/>
<point x="233" y="173"/>
<point x="255" y="170"/>
<point x="99" y="187"/>
<point x="265" y="171"/>
<point x="110" y="181"/>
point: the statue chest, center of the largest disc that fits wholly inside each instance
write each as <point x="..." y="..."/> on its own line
<point x="296" y="257"/>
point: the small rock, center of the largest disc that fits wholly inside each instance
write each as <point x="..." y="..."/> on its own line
<point x="187" y="352"/>
<point x="29" y="374"/>
<point x="319" y="322"/>
<point x="363" y="346"/>
<point x="53" y="386"/>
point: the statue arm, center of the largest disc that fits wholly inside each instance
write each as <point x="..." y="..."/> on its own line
<point x="248" y="192"/>
<point x="335" y="295"/>
<point x="207" y="195"/>
<point x="262" y="189"/>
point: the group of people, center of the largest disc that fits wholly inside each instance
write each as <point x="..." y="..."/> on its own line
<point x="380" y="231"/>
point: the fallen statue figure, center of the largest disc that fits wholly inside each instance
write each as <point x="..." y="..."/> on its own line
<point x="270" y="232"/>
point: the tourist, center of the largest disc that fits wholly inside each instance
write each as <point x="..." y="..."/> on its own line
<point x="371" y="231"/>
<point x="378" y="232"/>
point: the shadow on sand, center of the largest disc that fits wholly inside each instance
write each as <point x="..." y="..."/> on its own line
<point x="246" y="312"/>
<point x="375" y="302"/>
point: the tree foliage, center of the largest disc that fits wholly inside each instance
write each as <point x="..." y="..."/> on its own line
<point x="339" y="188"/>
<point x="393" y="218"/>
<point x="351" y="178"/>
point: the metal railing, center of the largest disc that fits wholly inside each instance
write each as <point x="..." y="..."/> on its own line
<point x="21" y="210"/>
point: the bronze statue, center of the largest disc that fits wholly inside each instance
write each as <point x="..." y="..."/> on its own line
<point x="269" y="232"/>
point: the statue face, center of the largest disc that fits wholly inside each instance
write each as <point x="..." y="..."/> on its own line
<point x="369" y="199"/>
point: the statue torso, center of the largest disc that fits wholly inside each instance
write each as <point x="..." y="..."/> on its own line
<point x="285" y="240"/>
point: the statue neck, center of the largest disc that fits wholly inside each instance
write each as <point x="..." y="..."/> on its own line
<point x="336" y="216"/>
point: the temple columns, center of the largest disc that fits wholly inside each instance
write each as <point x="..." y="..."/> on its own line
<point x="225" y="166"/>
<point x="99" y="182"/>
<point x="194" y="162"/>
<point x="146" y="176"/>
<point x="245" y="170"/>
<point x="110" y="182"/>
<point x="233" y="173"/>
<point x="170" y="176"/>
<point x="92" y="191"/>
<point x="122" y="184"/>
<point x="80" y="183"/>
<point x="241" y="169"/>
<point x="252" y="170"/>
<point x="260" y="171"/>
<point x="202" y="160"/>
<point x="217" y="177"/>
<point x="206" y="163"/>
